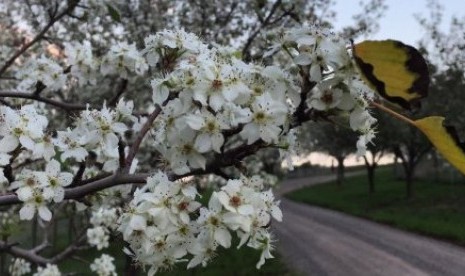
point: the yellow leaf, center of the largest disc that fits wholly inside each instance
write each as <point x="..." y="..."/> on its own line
<point x="444" y="139"/>
<point x="395" y="70"/>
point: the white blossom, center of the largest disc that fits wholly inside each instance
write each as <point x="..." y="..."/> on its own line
<point x="104" y="266"/>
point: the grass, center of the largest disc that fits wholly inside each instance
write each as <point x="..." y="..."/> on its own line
<point x="438" y="209"/>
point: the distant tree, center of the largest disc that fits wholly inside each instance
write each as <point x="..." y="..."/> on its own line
<point x="336" y="141"/>
<point x="377" y="150"/>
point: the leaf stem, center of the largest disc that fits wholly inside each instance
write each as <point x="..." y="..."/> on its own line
<point x="393" y="113"/>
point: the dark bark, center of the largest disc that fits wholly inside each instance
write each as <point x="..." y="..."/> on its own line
<point x="371" y="179"/>
<point x="340" y="170"/>
<point x="131" y="268"/>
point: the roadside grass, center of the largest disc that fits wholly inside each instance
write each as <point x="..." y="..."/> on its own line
<point x="437" y="209"/>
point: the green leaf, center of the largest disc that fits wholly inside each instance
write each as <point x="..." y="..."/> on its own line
<point x="114" y="13"/>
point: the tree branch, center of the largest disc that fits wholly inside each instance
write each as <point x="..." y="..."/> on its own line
<point x="252" y="37"/>
<point x="32" y="256"/>
<point x="39" y="36"/>
<point x="86" y="189"/>
<point x="140" y="137"/>
<point x="36" y="97"/>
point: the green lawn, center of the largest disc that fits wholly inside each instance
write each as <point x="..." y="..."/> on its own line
<point x="438" y="209"/>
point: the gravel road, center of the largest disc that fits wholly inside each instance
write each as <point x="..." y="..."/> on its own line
<point x="317" y="241"/>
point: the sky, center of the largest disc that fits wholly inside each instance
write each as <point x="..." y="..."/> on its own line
<point x="399" y="22"/>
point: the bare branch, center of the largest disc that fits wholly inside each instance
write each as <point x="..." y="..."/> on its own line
<point x="140" y="137"/>
<point x="56" y="17"/>
<point x="89" y="188"/>
<point x="32" y="256"/>
<point x="265" y="22"/>
<point x="36" y="97"/>
<point x="230" y="158"/>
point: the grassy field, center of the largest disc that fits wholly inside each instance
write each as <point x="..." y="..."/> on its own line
<point x="438" y="209"/>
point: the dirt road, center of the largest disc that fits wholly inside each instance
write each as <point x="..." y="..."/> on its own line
<point x="317" y="241"/>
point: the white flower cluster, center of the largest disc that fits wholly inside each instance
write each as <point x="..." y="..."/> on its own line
<point x="19" y="267"/>
<point x="122" y="59"/>
<point x="211" y="102"/>
<point x="49" y="270"/>
<point x="215" y="92"/>
<point x="325" y="58"/>
<point x="43" y="70"/>
<point x="164" y="225"/>
<point x="37" y="188"/>
<point x="83" y="65"/>
<point x="103" y="221"/>
<point x="104" y="266"/>
<point x="24" y="129"/>
<point x="97" y="131"/>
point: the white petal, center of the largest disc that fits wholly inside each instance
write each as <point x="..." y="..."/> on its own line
<point x="65" y="178"/>
<point x="24" y="193"/>
<point x="27" y="212"/>
<point x="45" y="213"/>
<point x="8" y="143"/>
<point x="195" y="261"/>
<point x="303" y="59"/>
<point x="203" y="143"/>
<point x="138" y="222"/>
<point x="53" y="167"/>
<point x="195" y="122"/>
<point x="245" y="209"/>
<point x="27" y="142"/>
<point x="223" y="237"/>
<point x="59" y="195"/>
<point x="276" y="213"/>
<point x="216" y="101"/>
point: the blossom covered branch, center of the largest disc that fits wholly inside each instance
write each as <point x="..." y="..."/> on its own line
<point x="208" y="111"/>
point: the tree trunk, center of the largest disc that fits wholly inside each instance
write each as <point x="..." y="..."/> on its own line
<point x="371" y="179"/>
<point x="340" y="170"/>
<point x="409" y="184"/>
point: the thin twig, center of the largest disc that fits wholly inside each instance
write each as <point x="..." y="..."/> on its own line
<point x="140" y="137"/>
<point x="86" y="189"/>
<point x="63" y="105"/>
<point x="53" y="20"/>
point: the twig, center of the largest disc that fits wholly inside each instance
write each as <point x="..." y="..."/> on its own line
<point x="89" y="188"/>
<point x="63" y="105"/>
<point x="265" y="22"/>
<point x="140" y="137"/>
<point x="53" y="20"/>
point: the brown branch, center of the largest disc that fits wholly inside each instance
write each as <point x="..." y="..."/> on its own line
<point x="121" y="88"/>
<point x="39" y="36"/>
<point x="28" y="255"/>
<point x="140" y="137"/>
<point x="231" y="157"/>
<point x="32" y="256"/>
<point x="252" y="37"/>
<point x="63" y="105"/>
<point x="89" y="188"/>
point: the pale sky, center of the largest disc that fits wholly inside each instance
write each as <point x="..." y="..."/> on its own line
<point x="399" y="22"/>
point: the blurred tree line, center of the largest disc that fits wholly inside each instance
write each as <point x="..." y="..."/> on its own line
<point x="445" y="53"/>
